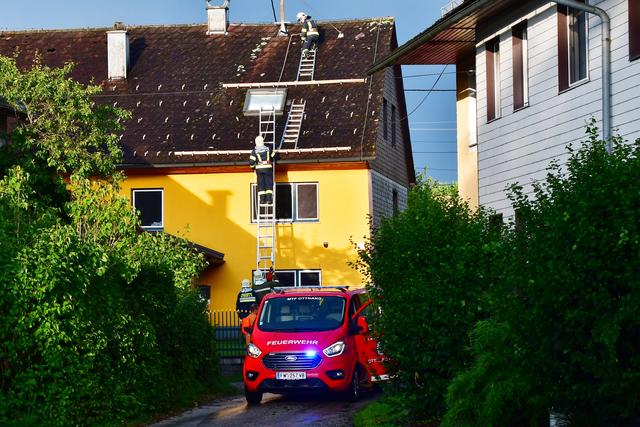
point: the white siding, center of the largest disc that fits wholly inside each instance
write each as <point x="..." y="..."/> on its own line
<point x="518" y="146"/>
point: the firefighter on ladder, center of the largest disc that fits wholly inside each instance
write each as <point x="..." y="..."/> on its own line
<point x="309" y="33"/>
<point x="261" y="160"/>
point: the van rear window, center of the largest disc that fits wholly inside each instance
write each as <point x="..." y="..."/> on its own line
<point x="302" y="313"/>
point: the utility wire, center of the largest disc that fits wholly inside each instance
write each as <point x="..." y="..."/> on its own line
<point x="427" y="95"/>
<point x="275" y="18"/>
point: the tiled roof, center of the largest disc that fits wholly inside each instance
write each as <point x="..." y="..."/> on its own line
<point x="173" y="86"/>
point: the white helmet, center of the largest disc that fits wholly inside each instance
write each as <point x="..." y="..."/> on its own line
<point x="301" y="16"/>
<point x="259" y="141"/>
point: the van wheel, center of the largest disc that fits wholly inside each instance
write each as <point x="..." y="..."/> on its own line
<point x="354" y="387"/>
<point x="253" y="397"/>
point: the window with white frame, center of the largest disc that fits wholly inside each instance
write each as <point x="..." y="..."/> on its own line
<point x="573" y="47"/>
<point x="520" y="66"/>
<point x="294" y="278"/>
<point x="294" y="201"/>
<point x="150" y="203"/>
<point x="492" y="48"/>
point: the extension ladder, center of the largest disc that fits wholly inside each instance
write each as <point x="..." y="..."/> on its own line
<point x="293" y="127"/>
<point x="307" y="66"/>
<point x="265" y="212"/>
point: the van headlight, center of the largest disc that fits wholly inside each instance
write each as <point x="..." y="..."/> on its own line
<point x="334" y="349"/>
<point x="253" y="351"/>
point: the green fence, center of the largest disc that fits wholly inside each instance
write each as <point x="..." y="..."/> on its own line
<point x="229" y="338"/>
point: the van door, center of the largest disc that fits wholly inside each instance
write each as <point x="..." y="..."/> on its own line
<point x="369" y="354"/>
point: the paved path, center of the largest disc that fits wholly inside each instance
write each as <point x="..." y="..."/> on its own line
<point x="274" y="411"/>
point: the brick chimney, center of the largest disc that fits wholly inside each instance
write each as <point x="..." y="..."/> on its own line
<point x="217" y="18"/>
<point x="118" y="52"/>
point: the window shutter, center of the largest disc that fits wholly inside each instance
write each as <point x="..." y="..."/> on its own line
<point x="563" y="49"/>
<point x="634" y="29"/>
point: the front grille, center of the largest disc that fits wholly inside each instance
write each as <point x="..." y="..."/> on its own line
<point x="291" y="361"/>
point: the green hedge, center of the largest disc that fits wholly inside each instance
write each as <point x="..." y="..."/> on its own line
<point x="99" y="324"/>
<point x="428" y="269"/>
<point x="570" y="299"/>
<point x="539" y="319"/>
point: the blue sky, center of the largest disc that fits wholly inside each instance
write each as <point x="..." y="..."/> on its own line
<point x="431" y="120"/>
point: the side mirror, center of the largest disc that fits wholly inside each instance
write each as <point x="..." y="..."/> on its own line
<point x="363" y="326"/>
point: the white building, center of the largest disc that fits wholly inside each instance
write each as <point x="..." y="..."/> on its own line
<point x="537" y="80"/>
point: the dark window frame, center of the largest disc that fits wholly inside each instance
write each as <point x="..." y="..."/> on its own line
<point x="149" y="190"/>
<point x="295" y="201"/>
<point x="634" y="29"/>
<point x="573" y="68"/>
<point x="393" y="125"/>
<point x="297" y="275"/>
<point x="519" y="40"/>
<point x="394" y="201"/>
<point x="385" y="122"/>
<point x="492" y="51"/>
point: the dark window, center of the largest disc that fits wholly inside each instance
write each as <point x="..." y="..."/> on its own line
<point x="520" y="66"/>
<point x="284" y="202"/>
<point x="150" y="205"/>
<point x="572" y="46"/>
<point x="634" y="29"/>
<point x="393" y="125"/>
<point x="307" y="198"/>
<point x="385" y="125"/>
<point x="205" y="293"/>
<point x="493" y="78"/>
<point x="294" y="202"/>
<point x="309" y="278"/>
<point x="394" y="201"/>
<point x="299" y="277"/>
<point x="286" y="278"/>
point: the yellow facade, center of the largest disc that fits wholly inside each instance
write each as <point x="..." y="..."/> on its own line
<point x="214" y="210"/>
<point x="467" y="142"/>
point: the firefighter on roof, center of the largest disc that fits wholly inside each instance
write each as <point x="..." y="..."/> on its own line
<point x="309" y="34"/>
<point x="261" y="160"/>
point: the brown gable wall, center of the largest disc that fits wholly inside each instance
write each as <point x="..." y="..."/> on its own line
<point x="394" y="161"/>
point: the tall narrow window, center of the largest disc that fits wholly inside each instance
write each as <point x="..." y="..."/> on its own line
<point x="393" y="125"/>
<point x="572" y="46"/>
<point x="493" y="78"/>
<point x="634" y="29"/>
<point x="149" y="202"/>
<point x="385" y="124"/>
<point x="394" y="201"/>
<point x="520" y="66"/>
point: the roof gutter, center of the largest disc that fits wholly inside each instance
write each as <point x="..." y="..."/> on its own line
<point x="457" y="14"/>
<point x="606" y="63"/>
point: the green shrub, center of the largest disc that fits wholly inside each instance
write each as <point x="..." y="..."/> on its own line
<point x="568" y="302"/>
<point x="428" y="267"/>
<point x="98" y="323"/>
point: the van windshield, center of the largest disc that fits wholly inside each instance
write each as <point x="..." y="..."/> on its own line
<point x="302" y="313"/>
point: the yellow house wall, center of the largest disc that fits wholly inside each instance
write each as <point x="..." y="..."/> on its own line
<point x="467" y="137"/>
<point x="213" y="210"/>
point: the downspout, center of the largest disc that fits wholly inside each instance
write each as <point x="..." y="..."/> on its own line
<point x="606" y="63"/>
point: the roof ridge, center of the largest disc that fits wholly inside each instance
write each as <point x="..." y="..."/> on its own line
<point x="141" y="26"/>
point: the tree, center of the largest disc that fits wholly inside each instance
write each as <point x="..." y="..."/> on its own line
<point x="98" y="322"/>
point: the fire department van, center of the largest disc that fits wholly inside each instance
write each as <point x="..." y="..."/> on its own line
<point x="312" y="339"/>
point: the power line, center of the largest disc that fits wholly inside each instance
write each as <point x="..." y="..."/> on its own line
<point x="427" y="95"/>
<point x="435" y="152"/>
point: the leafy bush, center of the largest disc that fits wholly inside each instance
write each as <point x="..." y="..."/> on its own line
<point x="428" y="267"/>
<point x="568" y="303"/>
<point x="98" y="323"/>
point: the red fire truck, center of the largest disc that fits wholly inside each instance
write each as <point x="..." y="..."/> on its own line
<point x="312" y="339"/>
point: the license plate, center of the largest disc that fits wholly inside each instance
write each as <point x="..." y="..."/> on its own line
<point x="291" y="375"/>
